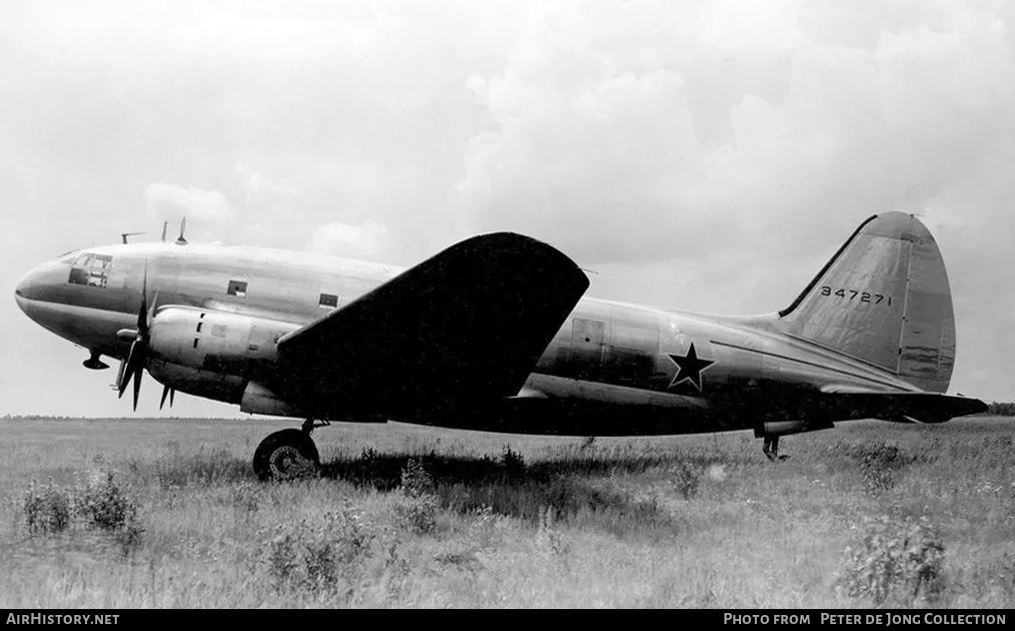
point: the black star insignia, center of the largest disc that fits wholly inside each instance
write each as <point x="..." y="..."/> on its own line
<point x="689" y="368"/>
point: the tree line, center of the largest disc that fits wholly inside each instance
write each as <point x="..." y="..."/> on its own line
<point x="997" y="408"/>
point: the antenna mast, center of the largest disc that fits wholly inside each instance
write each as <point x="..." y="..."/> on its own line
<point x="183" y="226"/>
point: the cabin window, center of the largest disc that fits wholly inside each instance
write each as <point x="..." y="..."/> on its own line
<point x="237" y="288"/>
<point x="328" y="301"/>
<point x="91" y="270"/>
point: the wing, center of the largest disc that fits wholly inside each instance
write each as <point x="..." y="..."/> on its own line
<point x="459" y="331"/>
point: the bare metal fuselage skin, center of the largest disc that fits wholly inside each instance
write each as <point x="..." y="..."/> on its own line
<point x="612" y="368"/>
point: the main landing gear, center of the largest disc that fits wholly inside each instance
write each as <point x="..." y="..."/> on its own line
<point x="288" y="455"/>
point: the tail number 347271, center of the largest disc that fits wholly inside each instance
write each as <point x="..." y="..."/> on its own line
<point x="853" y="294"/>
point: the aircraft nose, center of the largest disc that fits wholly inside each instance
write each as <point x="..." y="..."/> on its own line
<point x="24" y="291"/>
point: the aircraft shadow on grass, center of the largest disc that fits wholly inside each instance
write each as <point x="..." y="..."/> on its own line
<point x="384" y="471"/>
<point x="512" y="488"/>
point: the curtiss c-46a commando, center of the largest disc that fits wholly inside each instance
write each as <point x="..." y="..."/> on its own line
<point x="493" y="333"/>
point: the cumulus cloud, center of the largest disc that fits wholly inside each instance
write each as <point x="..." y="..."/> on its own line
<point x="706" y="130"/>
<point x="256" y="182"/>
<point x="173" y="202"/>
<point x="370" y="239"/>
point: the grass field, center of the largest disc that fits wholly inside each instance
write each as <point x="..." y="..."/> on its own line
<point x="160" y="513"/>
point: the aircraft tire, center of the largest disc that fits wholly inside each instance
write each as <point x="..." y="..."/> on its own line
<point x="287" y="455"/>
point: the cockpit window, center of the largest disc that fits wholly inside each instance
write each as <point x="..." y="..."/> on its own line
<point x="91" y="270"/>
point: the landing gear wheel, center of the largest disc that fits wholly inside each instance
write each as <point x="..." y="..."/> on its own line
<point x="287" y="455"/>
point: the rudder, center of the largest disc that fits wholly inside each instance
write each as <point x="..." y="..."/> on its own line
<point x="883" y="299"/>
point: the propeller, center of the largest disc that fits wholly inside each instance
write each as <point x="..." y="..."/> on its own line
<point x="171" y="392"/>
<point x="138" y="356"/>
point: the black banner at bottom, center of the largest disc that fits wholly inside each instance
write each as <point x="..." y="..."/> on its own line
<point x="130" y="618"/>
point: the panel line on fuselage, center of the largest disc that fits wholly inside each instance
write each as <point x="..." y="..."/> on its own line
<point x="808" y="363"/>
<point x="834" y="351"/>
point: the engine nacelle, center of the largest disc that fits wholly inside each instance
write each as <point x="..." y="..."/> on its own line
<point x="785" y="428"/>
<point x="224" y="343"/>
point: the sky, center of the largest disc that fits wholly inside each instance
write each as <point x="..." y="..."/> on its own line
<point x="707" y="156"/>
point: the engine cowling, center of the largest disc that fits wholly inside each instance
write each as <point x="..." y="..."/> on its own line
<point x="225" y="343"/>
<point x="213" y="354"/>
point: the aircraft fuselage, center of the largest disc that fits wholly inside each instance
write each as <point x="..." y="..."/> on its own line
<point x="217" y="312"/>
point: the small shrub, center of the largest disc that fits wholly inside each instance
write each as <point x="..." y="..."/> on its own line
<point x="322" y="557"/>
<point x="351" y="538"/>
<point x="416" y="481"/>
<point x="47" y="509"/>
<point x="103" y="504"/>
<point x="879" y="463"/>
<point x="897" y="563"/>
<point x="686" y="478"/>
<point x="513" y="463"/>
<point x="417" y="508"/>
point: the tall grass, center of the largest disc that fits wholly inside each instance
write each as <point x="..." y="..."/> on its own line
<point x="157" y="514"/>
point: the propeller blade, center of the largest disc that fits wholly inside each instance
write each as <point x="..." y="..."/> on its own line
<point x="172" y="395"/>
<point x="165" y="393"/>
<point x="119" y="374"/>
<point x="137" y="383"/>
<point x="128" y="367"/>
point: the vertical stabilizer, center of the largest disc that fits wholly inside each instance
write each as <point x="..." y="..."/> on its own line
<point x="883" y="299"/>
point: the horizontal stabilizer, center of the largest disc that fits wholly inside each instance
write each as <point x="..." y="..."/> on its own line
<point x="902" y="407"/>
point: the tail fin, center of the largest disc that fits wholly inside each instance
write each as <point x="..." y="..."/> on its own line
<point x="883" y="299"/>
